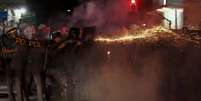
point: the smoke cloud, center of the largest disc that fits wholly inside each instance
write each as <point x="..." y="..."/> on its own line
<point x="110" y="16"/>
<point x="104" y="14"/>
<point x="118" y="77"/>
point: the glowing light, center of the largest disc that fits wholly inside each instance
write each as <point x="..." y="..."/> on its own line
<point x="175" y="15"/>
<point x="68" y="10"/>
<point x="153" y="34"/>
<point x="108" y="52"/>
<point x="164" y="2"/>
<point x="132" y="37"/>
<point x="144" y="25"/>
<point x="20" y="12"/>
<point x="133" y="2"/>
<point x="23" y="10"/>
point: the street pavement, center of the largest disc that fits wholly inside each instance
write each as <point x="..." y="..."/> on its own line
<point x="126" y="72"/>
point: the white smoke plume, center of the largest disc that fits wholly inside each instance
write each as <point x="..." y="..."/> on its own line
<point x="107" y="15"/>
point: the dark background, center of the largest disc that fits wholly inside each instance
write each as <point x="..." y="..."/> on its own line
<point x="46" y="8"/>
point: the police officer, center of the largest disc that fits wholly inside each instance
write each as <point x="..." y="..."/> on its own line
<point x="8" y="48"/>
<point x="28" y="62"/>
<point x="63" y="62"/>
<point x="72" y="41"/>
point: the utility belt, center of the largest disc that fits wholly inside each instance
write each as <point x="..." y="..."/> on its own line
<point x="7" y="52"/>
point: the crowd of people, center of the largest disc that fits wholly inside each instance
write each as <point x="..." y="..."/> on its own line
<point x="28" y="63"/>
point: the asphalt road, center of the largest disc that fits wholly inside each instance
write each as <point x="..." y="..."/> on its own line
<point x="129" y="72"/>
<point x="141" y="72"/>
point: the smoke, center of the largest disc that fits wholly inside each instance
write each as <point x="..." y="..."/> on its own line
<point x="147" y="74"/>
<point x="126" y="74"/>
<point x="143" y="73"/>
<point x="87" y="14"/>
<point x="119" y="77"/>
<point x="104" y="14"/>
<point x="111" y="16"/>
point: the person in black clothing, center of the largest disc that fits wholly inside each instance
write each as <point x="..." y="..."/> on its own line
<point x="8" y="48"/>
<point x="27" y="63"/>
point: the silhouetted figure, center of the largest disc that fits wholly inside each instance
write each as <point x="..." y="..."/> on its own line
<point x="27" y="62"/>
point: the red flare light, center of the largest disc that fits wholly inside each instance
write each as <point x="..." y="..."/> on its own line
<point x="133" y="2"/>
<point x="133" y="5"/>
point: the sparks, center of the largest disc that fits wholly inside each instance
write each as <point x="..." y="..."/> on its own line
<point x="132" y="36"/>
<point x="153" y="34"/>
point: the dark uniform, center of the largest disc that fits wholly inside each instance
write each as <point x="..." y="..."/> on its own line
<point x="28" y="62"/>
<point x="8" y="48"/>
<point x="62" y="62"/>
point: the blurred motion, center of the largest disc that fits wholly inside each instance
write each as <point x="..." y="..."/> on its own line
<point x="100" y="50"/>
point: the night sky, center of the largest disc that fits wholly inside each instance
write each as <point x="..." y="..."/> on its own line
<point x="47" y="8"/>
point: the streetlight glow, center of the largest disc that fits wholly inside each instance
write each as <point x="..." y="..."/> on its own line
<point x="19" y="12"/>
<point x="23" y="10"/>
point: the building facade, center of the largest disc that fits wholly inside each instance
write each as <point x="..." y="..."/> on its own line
<point x="11" y="3"/>
<point x="159" y="3"/>
<point x="14" y="8"/>
<point x="182" y="13"/>
<point x="192" y="13"/>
